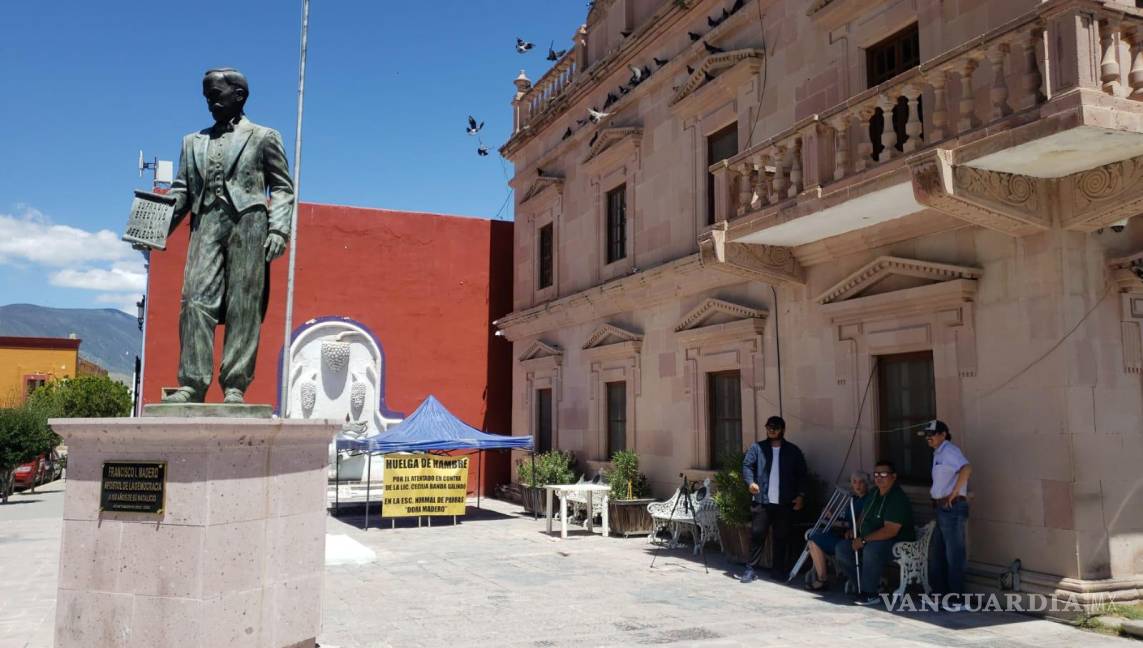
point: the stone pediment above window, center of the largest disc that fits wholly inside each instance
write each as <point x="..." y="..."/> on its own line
<point x="717" y="79"/>
<point x="889" y="274"/>
<point x="717" y="318"/>
<point x="539" y="355"/>
<point x="542" y="184"/>
<point x="610" y="340"/>
<point x="613" y="144"/>
<point x="893" y="287"/>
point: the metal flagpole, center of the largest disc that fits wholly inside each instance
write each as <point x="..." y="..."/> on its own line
<point x="284" y="396"/>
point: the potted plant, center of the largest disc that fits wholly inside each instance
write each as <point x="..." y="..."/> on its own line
<point x="627" y="508"/>
<point x="552" y="467"/>
<point x="732" y="498"/>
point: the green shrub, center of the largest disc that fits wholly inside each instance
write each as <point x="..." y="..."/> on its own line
<point x="731" y="495"/>
<point x="23" y="435"/>
<point x="624" y="471"/>
<point x="552" y="467"/>
<point x="81" y="397"/>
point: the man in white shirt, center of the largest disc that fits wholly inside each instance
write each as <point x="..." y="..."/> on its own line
<point x="949" y="493"/>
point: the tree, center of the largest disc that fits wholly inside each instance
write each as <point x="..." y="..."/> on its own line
<point x="23" y="435"/>
<point x="81" y="397"/>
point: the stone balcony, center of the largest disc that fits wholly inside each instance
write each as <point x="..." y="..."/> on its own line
<point x="1034" y="125"/>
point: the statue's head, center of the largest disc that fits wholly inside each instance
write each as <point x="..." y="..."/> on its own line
<point x="225" y="90"/>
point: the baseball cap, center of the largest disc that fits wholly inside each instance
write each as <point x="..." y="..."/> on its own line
<point x="936" y="427"/>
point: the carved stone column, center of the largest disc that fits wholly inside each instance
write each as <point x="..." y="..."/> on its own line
<point x="968" y="119"/>
<point x="999" y="92"/>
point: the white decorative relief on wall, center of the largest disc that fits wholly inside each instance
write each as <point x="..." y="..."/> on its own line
<point x="336" y="373"/>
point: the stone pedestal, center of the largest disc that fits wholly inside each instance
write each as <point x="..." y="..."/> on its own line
<point x="236" y="556"/>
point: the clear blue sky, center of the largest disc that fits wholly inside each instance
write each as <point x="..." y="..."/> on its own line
<point x="389" y="86"/>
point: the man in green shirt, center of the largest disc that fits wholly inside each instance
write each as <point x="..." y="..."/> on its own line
<point x="886" y="519"/>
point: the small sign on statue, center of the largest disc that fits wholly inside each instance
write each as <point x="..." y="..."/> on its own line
<point x="133" y="486"/>
<point x="424" y="484"/>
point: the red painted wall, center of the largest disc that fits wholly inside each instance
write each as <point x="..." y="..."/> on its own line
<point x="428" y="286"/>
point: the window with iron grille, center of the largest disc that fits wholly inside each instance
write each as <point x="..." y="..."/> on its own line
<point x="617" y="223"/>
<point x="892" y="56"/>
<point x="907" y="401"/>
<point x="616" y="417"/>
<point x="545" y="256"/>
<point x="720" y="145"/>
<point x="543" y="420"/>
<point x="725" y="412"/>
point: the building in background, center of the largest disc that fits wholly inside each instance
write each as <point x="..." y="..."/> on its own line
<point x="863" y="215"/>
<point x="418" y="291"/>
<point x="28" y="362"/>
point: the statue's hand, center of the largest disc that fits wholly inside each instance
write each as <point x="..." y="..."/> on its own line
<point x="275" y="245"/>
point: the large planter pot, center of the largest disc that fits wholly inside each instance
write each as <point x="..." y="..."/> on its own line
<point x="534" y="499"/>
<point x="735" y="541"/>
<point x="629" y="517"/>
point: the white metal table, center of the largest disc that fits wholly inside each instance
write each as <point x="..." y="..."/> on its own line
<point x="562" y="491"/>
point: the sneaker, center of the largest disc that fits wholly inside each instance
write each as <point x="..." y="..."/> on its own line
<point x="867" y="600"/>
<point x="748" y="576"/>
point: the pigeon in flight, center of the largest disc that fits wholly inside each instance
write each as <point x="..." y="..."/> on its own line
<point x="523" y="45"/>
<point x="636" y="75"/>
<point x="660" y="62"/>
<point x="594" y="115"/>
<point x="694" y="37"/>
<point x="482" y="151"/>
<point x="473" y="127"/>
<point x="555" y="54"/>
<point x="711" y="49"/>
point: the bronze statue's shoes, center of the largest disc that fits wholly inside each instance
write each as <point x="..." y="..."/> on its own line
<point x="233" y="396"/>
<point x="181" y="395"/>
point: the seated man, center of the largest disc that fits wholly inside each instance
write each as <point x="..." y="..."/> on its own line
<point x="823" y="543"/>
<point x="886" y="519"/>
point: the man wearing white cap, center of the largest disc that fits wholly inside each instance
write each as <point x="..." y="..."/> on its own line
<point x="949" y="493"/>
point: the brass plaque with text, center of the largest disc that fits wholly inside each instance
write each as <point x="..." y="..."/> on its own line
<point x="133" y="486"/>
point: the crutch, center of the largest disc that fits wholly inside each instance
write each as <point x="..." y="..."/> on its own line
<point x="856" y="552"/>
<point x="825" y="521"/>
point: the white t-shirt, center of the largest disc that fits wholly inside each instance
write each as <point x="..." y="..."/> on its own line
<point x="772" y="489"/>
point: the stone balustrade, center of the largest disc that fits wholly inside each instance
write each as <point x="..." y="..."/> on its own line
<point x="534" y="99"/>
<point x="914" y="110"/>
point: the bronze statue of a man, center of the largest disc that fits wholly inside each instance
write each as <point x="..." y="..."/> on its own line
<point x="225" y="174"/>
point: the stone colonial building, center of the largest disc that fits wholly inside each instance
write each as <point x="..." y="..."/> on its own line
<point x="862" y="214"/>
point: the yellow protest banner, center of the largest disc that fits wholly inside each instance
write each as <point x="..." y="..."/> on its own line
<point x="424" y="484"/>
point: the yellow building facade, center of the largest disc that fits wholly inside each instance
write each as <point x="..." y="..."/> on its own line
<point x="28" y="362"/>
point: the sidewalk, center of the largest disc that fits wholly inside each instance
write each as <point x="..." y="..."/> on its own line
<point x="497" y="579"/>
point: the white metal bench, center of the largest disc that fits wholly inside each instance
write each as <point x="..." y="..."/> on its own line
<point x="577" y="502"/>
<point x="697" y="516"/>
<point x="913" y="559"/>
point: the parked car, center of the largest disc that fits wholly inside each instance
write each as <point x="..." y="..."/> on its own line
<point x="45" y="468"/>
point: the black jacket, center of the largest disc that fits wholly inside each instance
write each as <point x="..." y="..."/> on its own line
<point x="791" y="471"/>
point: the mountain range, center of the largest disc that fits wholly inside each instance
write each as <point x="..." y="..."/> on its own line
<point x="110" y="337"/>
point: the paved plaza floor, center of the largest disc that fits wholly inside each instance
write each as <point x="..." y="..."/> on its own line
<point x="497" y="579"/>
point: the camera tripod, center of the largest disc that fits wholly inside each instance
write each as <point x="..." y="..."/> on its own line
<point x="688" y="506"/>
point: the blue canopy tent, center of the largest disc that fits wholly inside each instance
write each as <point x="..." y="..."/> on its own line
<point x="432" y="427"/>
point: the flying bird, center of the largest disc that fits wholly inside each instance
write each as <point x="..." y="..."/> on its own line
<point x="473" y="127"/>
<point x="523" y="45"/>
<point x="738" y="4"/>
<point x="567" y="133"/>
<point x="711" y="49"/>
<point x="694" y="37"/>
<point x="714" y="22"/>
<point x="636" y="75"/>
<point x="554" y="54"/>
<point x="611" y="98"/>
<point x="594" y="115"/>
<point x="660" y="62"/>
<point x="482" y="151"/>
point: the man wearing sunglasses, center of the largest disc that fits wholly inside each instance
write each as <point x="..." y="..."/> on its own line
<point x="949" y="492"/>
<point x="886" y="519"/>
<point x="775" y="472"/>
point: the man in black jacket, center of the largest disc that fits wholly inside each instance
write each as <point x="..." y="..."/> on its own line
<point x="777" y="493"/>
